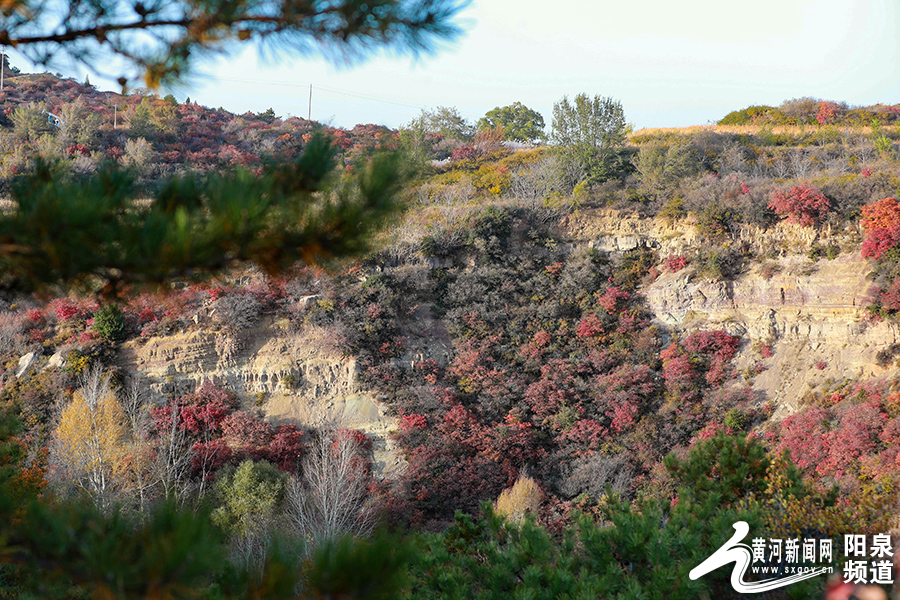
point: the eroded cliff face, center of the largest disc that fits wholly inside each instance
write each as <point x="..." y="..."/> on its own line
<point x="814" y="322"/>
<point x="809" y="313"/>
<point x="287" y="373"/>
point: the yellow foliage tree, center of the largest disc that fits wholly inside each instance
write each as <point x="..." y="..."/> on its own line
<point x="522" y="498"/>
<point x="92" y="439"/>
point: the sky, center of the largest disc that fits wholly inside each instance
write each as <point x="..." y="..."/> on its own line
<point x="671" y="64"/>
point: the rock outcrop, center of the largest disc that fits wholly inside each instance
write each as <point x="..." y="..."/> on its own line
<point x="286" y="372"/>
<point x="810" y="314"/>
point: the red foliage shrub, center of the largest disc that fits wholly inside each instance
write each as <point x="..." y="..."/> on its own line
<point x="718" y="372"/>
<point x="464" y="153"/>
<point x="412" y="422"/>
<point x="711" y="430"/>
<point x="512" y="444"/>
<point x="623" y="415"/>
<point x="827" y="112"/>
<point x="78" y="149"/>
<point x="857" y="435"/>
<point x="674" y="263"/>
<point x="881" y="221"/>
<point x="243" y="431"/>
<point x="802" y="204"/>
<point x="462" y="426"/>
<point x="67" y="309"/>
<point x="623" y="392"/>
<point x="554" y="269"/>
<point x="473" y="365"/>
<point x="206" y="409"/>
<point x="286" y="448"/>
<point x="87" y="336"/>
<point x="585" y="434"/>
<point x="680" y="375"/>
<point x="717" y="343"/>
<point x="613" y="298"/>
<point x="208" y="457"/>
<point x="429" y="370"/>
<point x="590" y="326"/>
<point x="557" y="386"/>
<point x="541" y="338"/>
<point x="441" y="482"/>
<point x="804" y="436"/>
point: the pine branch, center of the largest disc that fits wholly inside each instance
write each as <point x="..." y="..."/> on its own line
<point x="93" y="234"/>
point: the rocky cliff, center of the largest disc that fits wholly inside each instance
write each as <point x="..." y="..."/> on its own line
<point x="809" y="313"/>
<point x="802" y="321"/>
<point x="282" y="371"/>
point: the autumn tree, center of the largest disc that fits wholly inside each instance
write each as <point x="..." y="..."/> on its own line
<point x="92" y="439"/>
<point x="523" y="498"/>
<point x="80" y="125"/>
<point x="153" y="118"/>
<point x="801" y="204"/>
<point x="881" y="221"/>
<point x="29" y="122"/>
<point x="519" y="123"/>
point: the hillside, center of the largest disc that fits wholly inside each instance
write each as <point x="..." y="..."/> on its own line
<point x="688" y="325"/>
<point x="155" y="136"/>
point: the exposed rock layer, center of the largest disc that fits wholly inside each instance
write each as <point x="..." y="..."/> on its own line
<point x="811" y="313"/>
<point x="288" y="373"/>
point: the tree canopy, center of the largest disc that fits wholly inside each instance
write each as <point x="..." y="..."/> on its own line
<point x="589" y="133"/>
<point x="445" y="121"/>
<point x="520" y="123"/>
<point x="160" y="40"/>
<point x="597" y="123"/>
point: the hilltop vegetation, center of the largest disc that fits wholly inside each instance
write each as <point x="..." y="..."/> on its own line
<point x="812" y="111"/>
<point x="575" y="431"/>
<point x="154" y="136"/>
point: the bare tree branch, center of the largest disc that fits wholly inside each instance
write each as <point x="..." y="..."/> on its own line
<point x="333" y="497"/>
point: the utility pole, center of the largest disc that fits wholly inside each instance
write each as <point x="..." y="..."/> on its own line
<point x="309" y="112"/>
<point x="115" y="116"/>
<point x="2" y="65"/>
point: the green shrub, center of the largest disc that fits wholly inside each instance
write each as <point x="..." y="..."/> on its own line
<point x="109" y="323"/>
<point x="735" y="420"/>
